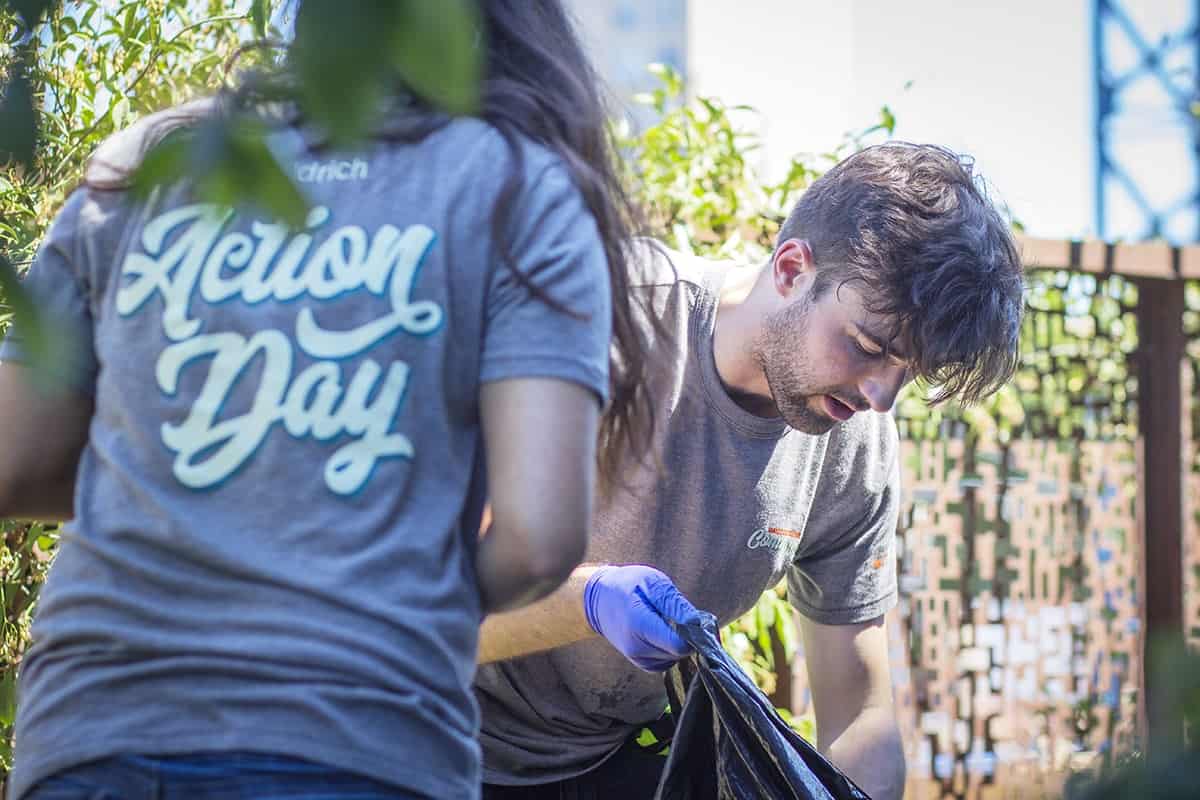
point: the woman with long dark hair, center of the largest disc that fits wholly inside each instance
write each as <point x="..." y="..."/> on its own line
<point x="276" y="444"/>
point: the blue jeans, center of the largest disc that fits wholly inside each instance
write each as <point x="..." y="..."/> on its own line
<point x="211" y="776"/>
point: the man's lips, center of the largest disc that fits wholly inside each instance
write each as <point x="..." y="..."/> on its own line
<point x="837" y="409"/>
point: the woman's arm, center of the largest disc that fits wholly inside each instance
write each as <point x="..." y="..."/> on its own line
<point x="42" y="433"/>
<point x="540" y="436"/>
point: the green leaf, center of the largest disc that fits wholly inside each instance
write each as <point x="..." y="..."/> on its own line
<point x="887" y="120"/>
<point x="34" y="335"/>
<point x="258" y="14"/>
<point x="164" y="163"/>
<point x="231" y="164"/>
<point x="120" y="112"/>
<point x="439" y="52"/>
<point x="18" y="121"/>
<point x="130" y="19"/>
<point x="342" y="62"/>
<point x="349" y="63"/>
<point x="8" y="697"/>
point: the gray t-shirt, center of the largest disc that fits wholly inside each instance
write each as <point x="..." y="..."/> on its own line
<point x="741" y="502"/>
<point x="278" y="505"/>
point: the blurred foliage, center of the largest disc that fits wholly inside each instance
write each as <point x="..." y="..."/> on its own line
<point x="26" y="550"/>
<point x="348" y="63"/>
<point x="1075" y="381"/>
<point x="756" y="638"/>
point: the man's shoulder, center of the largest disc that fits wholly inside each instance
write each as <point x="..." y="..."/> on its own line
<point x="863" y="450"/>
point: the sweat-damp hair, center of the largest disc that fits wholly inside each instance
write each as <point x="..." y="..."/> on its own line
<point x="913" y="229"/>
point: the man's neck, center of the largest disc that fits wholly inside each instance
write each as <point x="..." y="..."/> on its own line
<point x="736" y="327"/>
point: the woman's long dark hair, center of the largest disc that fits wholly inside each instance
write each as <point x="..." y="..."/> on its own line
<point x="540" y="84"/>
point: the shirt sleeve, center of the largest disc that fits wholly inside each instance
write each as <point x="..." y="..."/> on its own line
<point x="58" y="286"/>
<point x="845" y="570"/>
<point x="557" y="250"/>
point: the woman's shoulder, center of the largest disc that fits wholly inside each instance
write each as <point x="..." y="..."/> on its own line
<point x="121" y="154"/>
<point x="478" y="140"/>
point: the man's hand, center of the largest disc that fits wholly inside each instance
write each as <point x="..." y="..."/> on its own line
<point x="629" y="606"/>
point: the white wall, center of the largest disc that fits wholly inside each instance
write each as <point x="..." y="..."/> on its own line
<point x="792" y="60"/>
<point x="623" y="36"/>
<point x="1009" y="83"/>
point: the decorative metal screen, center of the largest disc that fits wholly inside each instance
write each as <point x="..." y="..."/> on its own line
<point x="1019" y="628"/>
<point x="1019" y="572"/>
<point x="1191" y="462"/>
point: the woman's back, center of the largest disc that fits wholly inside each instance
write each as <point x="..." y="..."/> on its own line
<point x="278" y="504"/>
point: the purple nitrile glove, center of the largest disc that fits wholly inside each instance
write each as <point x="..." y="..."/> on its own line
<point x="629" y="606"/>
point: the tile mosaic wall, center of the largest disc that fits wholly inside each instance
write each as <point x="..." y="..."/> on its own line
<point x="1019" y="629"/>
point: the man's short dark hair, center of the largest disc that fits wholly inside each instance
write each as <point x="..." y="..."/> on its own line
<point x="914" y="229"/>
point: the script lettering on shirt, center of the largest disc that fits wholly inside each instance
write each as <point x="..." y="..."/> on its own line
<point x="766" y="539"/>
<point x="760" y="538"/>
<point x="188" y="257"/>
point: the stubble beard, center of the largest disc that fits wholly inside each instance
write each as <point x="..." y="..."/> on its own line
<point x="788" y="375"/>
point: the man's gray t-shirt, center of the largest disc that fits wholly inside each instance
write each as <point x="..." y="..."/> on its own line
<point x="741" y="502"/>
<point x="279" y="502"/>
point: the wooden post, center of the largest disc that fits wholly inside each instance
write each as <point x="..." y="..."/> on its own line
<point x="1161" y="344"/>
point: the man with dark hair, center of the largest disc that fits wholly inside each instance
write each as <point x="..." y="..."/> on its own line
<point x="775" y="457"/>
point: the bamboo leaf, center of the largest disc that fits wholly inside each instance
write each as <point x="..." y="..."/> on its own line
<point x="258" y="15"/>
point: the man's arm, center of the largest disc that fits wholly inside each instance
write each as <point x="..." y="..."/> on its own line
<point x="554" y="621"/>
<point x="42" y="433"/>
<point x="627" y="605"/>
<point x="851" y="683"/>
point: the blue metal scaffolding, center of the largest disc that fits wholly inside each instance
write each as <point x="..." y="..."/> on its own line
<point x="1128" y="61"/>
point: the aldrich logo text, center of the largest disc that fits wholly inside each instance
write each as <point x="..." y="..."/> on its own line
<point x="334" y="170"/>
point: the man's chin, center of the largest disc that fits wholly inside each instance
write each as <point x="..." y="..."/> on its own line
<point x="806" y="420"/>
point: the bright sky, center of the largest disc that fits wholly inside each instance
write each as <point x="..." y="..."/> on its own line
<point x="1009" y="83"/>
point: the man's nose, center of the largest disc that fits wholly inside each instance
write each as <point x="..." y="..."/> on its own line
<point x="882" y="385"/>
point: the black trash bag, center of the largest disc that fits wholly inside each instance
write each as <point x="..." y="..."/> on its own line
<point x="729" y="742"/>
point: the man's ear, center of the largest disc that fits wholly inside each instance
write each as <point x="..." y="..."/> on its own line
<point x="792" y="267"/>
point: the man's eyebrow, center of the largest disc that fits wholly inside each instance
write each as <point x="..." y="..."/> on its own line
<point x="882" y="342"/>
